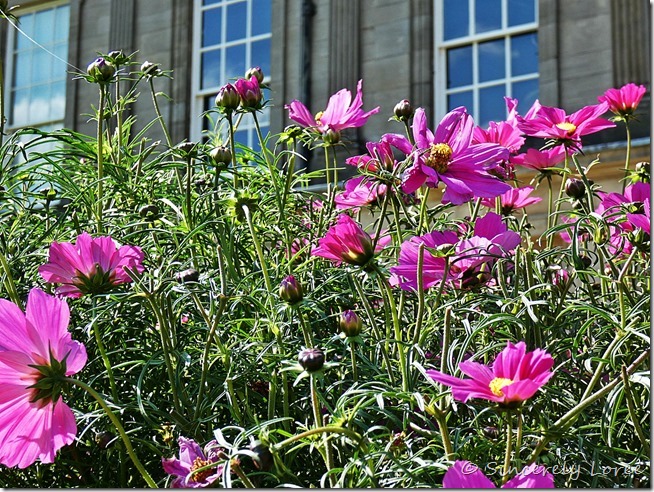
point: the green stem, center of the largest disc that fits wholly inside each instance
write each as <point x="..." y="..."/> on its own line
<point x="421" y="294"/>
<point x="628" y="156"/>
<point x="100" y="158"/>
<point x="160" y="118"/>
<point x="103" y="351"/>
<point x="128" y="444"/>
<point x="518" y="439"/>
<point x="569" y="418"/>
<point x="232" y="147"/>
<point x="322" y="430"/>
<point x="10" y="285"/>
<point x="509" y="445"/>
<point x="385" y="289"/>
<point x="187" y="193"/>
<point x="257" y="247"/>
<point x="446" y="344"/>
<point x="236" y="468"/>
<point x="353" y="356"/>
<point x="2" y="105"/>
<point x="631" y="407"/>
<point x="315" y="403"/>
<point x="445" y="435"/>
<point x="306" y="330"/>
<point x="475" y="210"/>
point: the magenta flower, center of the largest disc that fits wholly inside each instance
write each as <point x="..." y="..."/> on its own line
<point x="623" y="101"/>
<point x="548" y="122"/>
<point x="192" y="458"/>
<point x="379" y="158"/>
<point x="641" y="221"/>
<point x="406" y="273"/>
<point x="249" y="92"/>
<point x="634" y="196"/>
<point x="90" y="266"/>
<point x="341" y="112"/>
<point x="540" y="160"/>
<point x="348" y="242"/>
<point x="516" y="376"/>
<point x="35" y="349"/>
<point x="501" y="133"/>
<point x="359" y="192"/>
<point x="513" y="199"/>
<point x="450" y="157"/>
<point x="465" y="475"/>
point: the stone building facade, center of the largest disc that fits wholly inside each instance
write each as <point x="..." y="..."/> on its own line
<point x="567" y="52"/>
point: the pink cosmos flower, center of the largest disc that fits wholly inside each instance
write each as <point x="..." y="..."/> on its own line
<point x="642" y="221"/>
<point x="548" y="122"/>
<point x="516" y="376"/>
<point x="348" y="242"/>
<point x="379" y="158"/>
<point x="249" y="92"/>
<point x="341" y="112"/>
<point x="625" y="100"/>
<point x="502" y="133"/>
<point x="634" y="196"/>
<point x="540" y="160"/>
<point x="465" y="475"/>
<point x="35" y="347"/>
<point x="90" y="266"/>
<point x="406" y="273"/>
<point x="513" y="199"/>
<point x="359" y="191"/>
<point x="192" y="458"/>
<point x="449" y="156"/>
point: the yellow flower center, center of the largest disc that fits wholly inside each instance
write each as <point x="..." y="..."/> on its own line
<point x="439" y="157"/>
<point x="566" y="126"/>
<point x="200" y="476"/>
<point x="497" y="384"/>
<point x="318" y="116"/>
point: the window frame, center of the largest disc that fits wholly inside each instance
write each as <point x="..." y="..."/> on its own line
<point x="198" y="94"/>
<point x="11" y="35"/>
<point x="441" y="91"/>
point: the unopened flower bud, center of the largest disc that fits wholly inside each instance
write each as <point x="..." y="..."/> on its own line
<point x="188" y="149"/>
<point x="403" y="110"/>
<point x="312" y="359"/>
<point x="575" y="188"/>
<point x="188" y="275"/>
<point x="257" y="72"/>
<point x="228" y="98"/>
<point x="118" y="57"/>
<point x="150" y="69"/>
<point x="290" y="290"/>
<point x="221" y="156"/>
<point x="149" y="212"/>
<point x="101" y="71"/>
<point x="331" y="137"/>
<point x="263" y="458"/>
<point x="350" y="323"/>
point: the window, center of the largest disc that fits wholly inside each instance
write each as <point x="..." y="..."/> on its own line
<point x="230" y="36"/>
<point x="487" y="49"/>
<point x="37" y="71"/>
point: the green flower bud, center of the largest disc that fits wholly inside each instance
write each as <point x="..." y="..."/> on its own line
<point x="290" y="290"/>
<point x="101" y="71"/>
<point x="312" y="359"/>
<point x="350" y="323"/>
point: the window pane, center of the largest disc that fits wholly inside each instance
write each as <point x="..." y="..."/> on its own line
<point x="491" y="60"/>
<point x="261" y="56"/>
<point x="460" y="99"/>
<point x="526" y="92"/>
<point x="261" y="17"/>
<point x="20" y="107"/>
<point x="210" y="69"/>
<point x="44" y="27"/>
<point x="59" y="65"/>
<point x="521" y="12"/>
<point x="211" y="26"/>
<point x="40" y="104"/>
<point x="58" y="101"/>
<point x="235" y="62"/>
<point x="41" y="67"/>
<point x="26" y="23"/>
<point x="524" y="54"/>
<point x="22" y="65"/>
<point x="210" y="2"/>
<point x="459" y="66"/>
<point x="62" y="14"/>
<point x="488" y="15"/>
<point x="455" y="19"/>
<point x="236" y="21"/>
<point x="491" y="104"/>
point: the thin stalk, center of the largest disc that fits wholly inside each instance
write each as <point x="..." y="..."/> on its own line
<point x="518" y="440"/>
<point x="306" y="330"/>
<point x="100" y="158"/>
<point x="103" y="351"/>
<point x="119" y="118"/>
<point x="157" y="110"/>
<point x="509" y="448"/>
<point x="2" y="105"/>
<point x="421" y="294"/>
<point x="128" y="444"/>
<point x="321" y="430"/>
<point x="385" y="289"/>
<point x="446" y="344"/>
<point x="422" y="220"/>
<point x="571" y="416"/>
<point x="236" y="468"/>
<point x="475" y="210"/>
<point x="631" y="407"/>
<point x="445" y="435"/>
<point x="628" y="156"/>
<point x="212" y="325"/>
<point x="353" y="356"/>
<point x="232" y="147"/>
<point x="187" y="193"/>
<point x="10" y="285"/>
<point x="257" y="247"/>
<point x="315" y="403"/>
